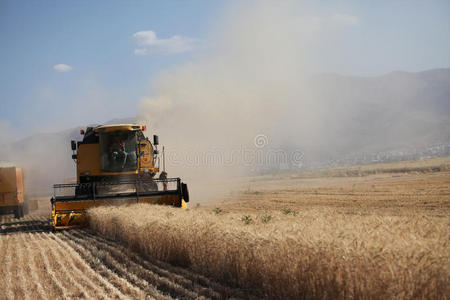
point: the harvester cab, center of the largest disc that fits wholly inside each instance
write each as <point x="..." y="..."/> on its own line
<point x="116" y="164"/>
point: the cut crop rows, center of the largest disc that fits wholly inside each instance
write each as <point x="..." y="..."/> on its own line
<point x="40" y="263"/>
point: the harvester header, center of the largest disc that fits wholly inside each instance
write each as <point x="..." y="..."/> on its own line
<point x="116" y="164"/>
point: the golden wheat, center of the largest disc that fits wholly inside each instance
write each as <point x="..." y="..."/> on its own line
<point x="350" y="240"/>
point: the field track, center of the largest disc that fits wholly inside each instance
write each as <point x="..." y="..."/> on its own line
<point x="38" y="263"/>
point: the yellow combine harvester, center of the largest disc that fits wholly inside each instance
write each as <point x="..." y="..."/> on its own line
<point x="116" y="164"/>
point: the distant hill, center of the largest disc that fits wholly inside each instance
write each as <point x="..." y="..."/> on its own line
<point x="350" y="116"/>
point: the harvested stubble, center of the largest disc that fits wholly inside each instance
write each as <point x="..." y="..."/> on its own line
<point x="315" y="253"/>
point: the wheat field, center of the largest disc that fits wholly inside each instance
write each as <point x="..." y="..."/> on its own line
<point x="373" y="235"/>
<point x="351" y="233"/>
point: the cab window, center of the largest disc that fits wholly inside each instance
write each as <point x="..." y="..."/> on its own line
<point x="118" y="151"/>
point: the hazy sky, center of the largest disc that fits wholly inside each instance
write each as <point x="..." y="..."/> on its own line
<point x="67" y="63"/>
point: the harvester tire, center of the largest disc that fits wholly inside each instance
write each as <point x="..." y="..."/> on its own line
<point x="16" y="212"/>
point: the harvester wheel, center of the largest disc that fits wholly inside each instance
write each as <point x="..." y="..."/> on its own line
<point x="16" y="212"/>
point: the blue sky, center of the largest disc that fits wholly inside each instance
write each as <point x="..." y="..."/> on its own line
<point x="112" y="50"/>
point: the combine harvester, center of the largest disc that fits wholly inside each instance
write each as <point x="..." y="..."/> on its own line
<point x="116" y="164"/>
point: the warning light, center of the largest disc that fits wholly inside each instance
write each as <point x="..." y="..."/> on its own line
<point x="144" y="127"/>
<point x="82" y="131"/>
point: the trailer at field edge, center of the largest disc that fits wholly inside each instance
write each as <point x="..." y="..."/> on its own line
<point x="11" y="192"/>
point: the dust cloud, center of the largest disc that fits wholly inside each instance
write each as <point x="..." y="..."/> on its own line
<point x="44" y="158"/>
<point x="260" y="96"/>
<point x="211" y="112"/>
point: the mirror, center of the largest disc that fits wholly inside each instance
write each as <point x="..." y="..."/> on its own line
<point x="155" y="140"/>
<point x="74" y="145"/>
